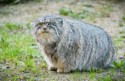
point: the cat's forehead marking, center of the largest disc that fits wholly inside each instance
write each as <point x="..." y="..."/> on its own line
<point x="46" y="19"/>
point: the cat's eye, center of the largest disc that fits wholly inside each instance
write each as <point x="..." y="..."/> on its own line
<point x="48" y="24"/>
<point x="39" y="24"/>
<point x="51" y="24"/>
<point x="38" y="27"/>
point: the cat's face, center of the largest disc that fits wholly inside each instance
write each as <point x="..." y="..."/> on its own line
<point x="47" y="29"/>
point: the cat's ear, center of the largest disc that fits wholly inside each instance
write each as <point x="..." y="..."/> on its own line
<point x="34" y="23"/>
<point x="59" y="21"/>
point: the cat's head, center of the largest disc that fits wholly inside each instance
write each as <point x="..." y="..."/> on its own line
<point x="47" y="29"/>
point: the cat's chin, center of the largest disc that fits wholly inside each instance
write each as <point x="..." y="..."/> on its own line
<point x="46" y="38"/>
<point x="45" y="32"/>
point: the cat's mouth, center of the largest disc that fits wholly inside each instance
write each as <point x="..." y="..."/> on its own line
<point x="45" y="31"/>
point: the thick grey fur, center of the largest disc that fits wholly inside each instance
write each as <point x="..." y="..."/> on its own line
<point x="78" y="45"/>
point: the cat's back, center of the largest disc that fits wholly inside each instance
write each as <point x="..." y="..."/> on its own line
<point x="84" y="27"/>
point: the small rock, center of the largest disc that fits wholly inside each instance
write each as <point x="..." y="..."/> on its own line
<point x="124" y="41"/>
<point x="121" y="57"/>
<point x="20" y="63"/>
<point x="2" y="66"/>
<point x="26" y="71"/>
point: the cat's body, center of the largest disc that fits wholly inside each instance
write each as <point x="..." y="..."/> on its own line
<point x="69" y="45"/>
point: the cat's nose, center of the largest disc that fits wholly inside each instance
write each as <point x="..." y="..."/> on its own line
<point x="44" y="28"/>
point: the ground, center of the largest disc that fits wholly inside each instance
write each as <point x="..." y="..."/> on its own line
<point x="20" y="58"/>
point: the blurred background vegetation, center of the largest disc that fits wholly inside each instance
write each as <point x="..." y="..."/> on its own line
<point x="20" y="58"/>
<point x="23" y="1"/>
<point x="13" y="1"/>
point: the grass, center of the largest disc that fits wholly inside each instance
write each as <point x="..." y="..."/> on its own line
<point x="84" y="13"/>
<point x="123" y="18"/>
<point x="122" y="21"/>
<point x="119" y="39"/>
<point x="105" y="78"/>
<point x="119" y="65"/>
<point x="77" y="15"/>
<point x="12" y="26"/>
<point x="119" y="42"/>
<point x="17" y="50"/>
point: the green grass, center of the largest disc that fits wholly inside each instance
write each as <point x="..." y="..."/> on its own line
<point x="122" y="22"/>
<point x="119" y="65"/>
<point x="12" y="26"/>
<point x="17" y="49"/>
<point x="123" y="18"/>
<point x="84" y="13"/>
<point x="77" y="15"/>
<point x="119" y="40"/>
<point x="105" y="78"/>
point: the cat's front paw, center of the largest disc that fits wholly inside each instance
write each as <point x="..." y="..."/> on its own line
<point x="60" y="70"/>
